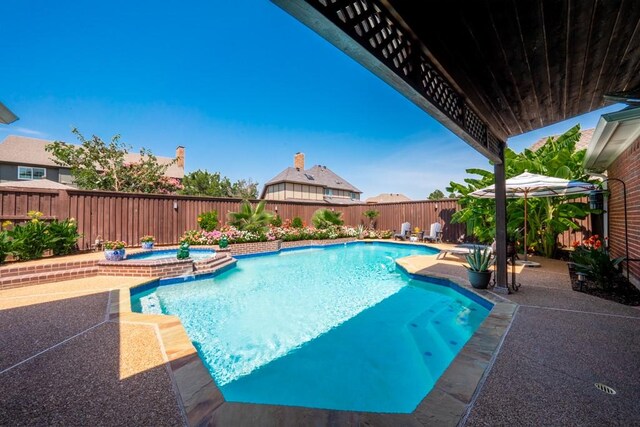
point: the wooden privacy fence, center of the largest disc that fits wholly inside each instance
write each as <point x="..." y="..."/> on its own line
<point x="127" y="216"/>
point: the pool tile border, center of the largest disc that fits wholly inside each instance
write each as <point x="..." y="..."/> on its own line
<point x="446" y="404"/>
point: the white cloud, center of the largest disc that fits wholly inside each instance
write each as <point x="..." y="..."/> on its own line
<point x="23" y="131"/>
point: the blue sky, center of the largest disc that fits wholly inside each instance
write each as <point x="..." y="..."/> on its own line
<point x="241" y="84"/>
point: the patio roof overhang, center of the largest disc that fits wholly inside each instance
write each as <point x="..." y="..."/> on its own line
<point x="614" y="134"/>
<point x="488" y="70"/>
<point x="6" y="116"/>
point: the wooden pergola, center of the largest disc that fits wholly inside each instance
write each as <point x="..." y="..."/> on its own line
<point x="491" y="69"/>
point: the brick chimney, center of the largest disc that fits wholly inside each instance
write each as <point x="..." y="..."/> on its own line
<point x="298" y="161"/>
<point x="180" y="156"/>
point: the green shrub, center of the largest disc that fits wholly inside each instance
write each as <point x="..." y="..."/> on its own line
<point x="277" y="221"/>
<point x="325" y="218"/>
<point x="297" y="222"/>
<point x="64" y="236"/>
<point x="5" y="245"/>
<point x="31" y="239"/>
<point x="592" y="258"/>
<point x="208" y="221"/>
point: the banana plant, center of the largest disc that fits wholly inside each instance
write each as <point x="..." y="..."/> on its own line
<point x="547" y="217"/>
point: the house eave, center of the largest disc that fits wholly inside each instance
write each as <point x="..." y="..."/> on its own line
<point x="614" y="133"/>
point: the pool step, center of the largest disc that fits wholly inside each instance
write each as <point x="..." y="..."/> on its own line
<point x="212" y="265"/>
<point x="46" y="276"/>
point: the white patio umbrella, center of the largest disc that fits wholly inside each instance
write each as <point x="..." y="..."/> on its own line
<point x="528" y="185"/>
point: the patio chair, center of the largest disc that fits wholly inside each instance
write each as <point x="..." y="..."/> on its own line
<point x="435" y="233"/>
<point x="405" y="232"/>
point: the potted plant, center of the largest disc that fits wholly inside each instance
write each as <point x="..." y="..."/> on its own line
<point x="114" y="250"/>
<point x="479" y="260"/>
<point x="147" y="242"/>
<point x="223" y="242"/>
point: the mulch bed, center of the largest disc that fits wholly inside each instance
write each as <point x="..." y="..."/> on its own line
<point x="621" y="291"/>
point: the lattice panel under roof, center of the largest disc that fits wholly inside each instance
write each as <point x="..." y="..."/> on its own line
<point x="373" y="27"/>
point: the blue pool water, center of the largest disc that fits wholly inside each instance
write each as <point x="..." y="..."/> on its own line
<point x="172" y="253"/>
<point x="334" y="328"/>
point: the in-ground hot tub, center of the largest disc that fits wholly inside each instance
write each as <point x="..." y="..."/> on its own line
<point x="163" y="263"/>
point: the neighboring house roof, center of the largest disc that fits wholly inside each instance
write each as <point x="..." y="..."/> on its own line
<point x="582" y="144"/>
<point x="317" y="175"/>
<point x="388" y="198"/>
<point x="31" y="151"/>
<point x="37" y="183"/>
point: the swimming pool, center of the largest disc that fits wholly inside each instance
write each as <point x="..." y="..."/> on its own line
<point x="195" y="254"/>
<point x="334" y="328"/>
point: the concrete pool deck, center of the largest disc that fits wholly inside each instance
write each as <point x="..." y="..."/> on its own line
<point x="74" y="356"/>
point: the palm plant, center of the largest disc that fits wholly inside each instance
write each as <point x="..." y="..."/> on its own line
<point x="372" y="214"/>
<point x="249" y="219"/>
<point x="324" y="218"/>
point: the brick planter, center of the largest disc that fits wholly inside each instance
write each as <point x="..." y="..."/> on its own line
<point x="254" y="247"/>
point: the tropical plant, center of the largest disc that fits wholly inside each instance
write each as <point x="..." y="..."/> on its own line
<point x="297" y="222"/>
<point x="479" y="259"/>
<point x="114" y="244"/>
<point x="436" y="195"/>
<point x="208" y="221"/>
<point x="5" y="245"/>
<point x="372" y="214"/>
<point x="361" y="230"/>
<point x="64" y="236"/>
<point x="325" y="218"/>
<point x="249" y="219"/>
<point x="547" y="217"/>
<point x="96" y="165"/>
<point x="31" y="239"/>
<point x="592" y="258"/>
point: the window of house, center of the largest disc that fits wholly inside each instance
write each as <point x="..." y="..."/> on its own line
<point x="28" y="173"/>
<point x="328" y="192"/>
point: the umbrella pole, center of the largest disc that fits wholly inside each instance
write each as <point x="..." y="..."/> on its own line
<point x="525" y="226"/>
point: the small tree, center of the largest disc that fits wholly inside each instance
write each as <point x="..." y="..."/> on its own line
<point x="205" y="183"/>
<point x="96" y="165"/>
<point x="372" y="214"/>
<point x="249" y="219"/>
<point x="324" y="218"/>
<point x="436" y="195"/>
<point x="297" y="222"/>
